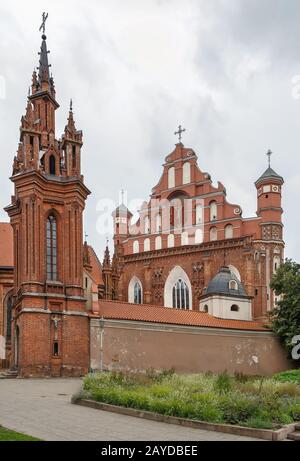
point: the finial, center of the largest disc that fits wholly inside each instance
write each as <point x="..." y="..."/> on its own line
<point x="107" y="241"/>
<point x="43" y="25"/>
<point x="28" y="91"/>
<point x="122" y="197"/>
<point x="71" y="105"/>
<point x="86" y="236"/>
<point x="179" y="132"/>
<point x="269" y="154"/>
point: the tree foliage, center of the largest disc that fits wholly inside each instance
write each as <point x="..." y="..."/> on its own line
<point x="286" y="315"/>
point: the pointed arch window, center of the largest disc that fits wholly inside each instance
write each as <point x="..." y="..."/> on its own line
<point x="181" y="295"/>
<point x="74" y="157"/>
<point x="137" y="293"/>
<point x="52" y="165"/>
<point x="51" y="248"/>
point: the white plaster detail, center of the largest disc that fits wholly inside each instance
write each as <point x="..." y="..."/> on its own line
<point x="147" y="244"/>
<point x="171" y="177"/>
<point x="136" y="246"/>
<point x="186" y="173"/>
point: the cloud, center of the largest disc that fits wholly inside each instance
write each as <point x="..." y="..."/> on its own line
<point x="135" y="70"/>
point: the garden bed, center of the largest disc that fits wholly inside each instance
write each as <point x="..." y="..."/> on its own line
<point x="255" y="403"/>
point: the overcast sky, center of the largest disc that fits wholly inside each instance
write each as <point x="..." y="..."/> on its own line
<point x="136" y="69"/>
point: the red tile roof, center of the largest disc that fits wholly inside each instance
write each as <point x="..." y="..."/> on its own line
<point x="147" y="313"/>
<point x="96" y="272"/>
<point x="6" y="245"/>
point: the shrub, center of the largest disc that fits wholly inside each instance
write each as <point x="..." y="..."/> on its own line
<point x="288" y="376"/>
<point x="254" y="402"/>
<point x="223" y="383"/>
<point x="237" y="409"/>
<point x="258" y="423"/>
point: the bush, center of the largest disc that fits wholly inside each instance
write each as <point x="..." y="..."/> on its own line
<point x="238" y="409"/>
<point x="223" y="383"/>
<point x="262" y="403"/>
<point x="288" y="376"/>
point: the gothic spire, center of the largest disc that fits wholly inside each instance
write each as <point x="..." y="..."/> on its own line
<point x="44" y="75"/>
<point x="70" y="127"/>
<point x="106" y="260"/>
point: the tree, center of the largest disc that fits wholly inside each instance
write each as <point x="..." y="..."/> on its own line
<point x="286" y="314"/>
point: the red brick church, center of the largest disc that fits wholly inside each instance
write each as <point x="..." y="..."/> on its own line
<point x="191" y="267"/>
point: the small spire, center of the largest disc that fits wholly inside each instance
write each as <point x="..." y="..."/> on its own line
<point x="106" y="260"/>
<point x="85" y="237"/>
<point x="70" y="127"/>
<point x="269" y="154"/>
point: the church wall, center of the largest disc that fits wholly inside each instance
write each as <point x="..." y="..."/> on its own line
<point x="200" y="264"/>
<point x="6" y="285"/>
<point x="137" y="347"/>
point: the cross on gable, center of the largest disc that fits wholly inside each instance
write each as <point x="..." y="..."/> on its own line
<point x="179" y="132"/>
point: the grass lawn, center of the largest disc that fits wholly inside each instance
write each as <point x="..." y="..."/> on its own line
<point x="6" y="435"/>
<point x="266" y="403"/>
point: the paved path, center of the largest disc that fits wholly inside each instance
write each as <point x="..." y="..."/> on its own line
<point x="42" y="408"/>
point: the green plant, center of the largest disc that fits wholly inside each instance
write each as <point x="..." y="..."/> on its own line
<point x="223" y="383"/>
<point x="252" y="402"/>
<point x="288" y="376"/>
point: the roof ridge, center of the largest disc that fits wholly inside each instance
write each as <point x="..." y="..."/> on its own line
<point x="96" y="256"/>
<point x="178" y="311"/>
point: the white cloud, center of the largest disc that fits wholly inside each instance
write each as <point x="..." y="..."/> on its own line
<point x="135" y="70"/>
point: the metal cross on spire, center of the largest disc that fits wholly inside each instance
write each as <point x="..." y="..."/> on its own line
<point x="43" y="25"/>
<point x="269" y="154"/>
<point x="179" y="132"/>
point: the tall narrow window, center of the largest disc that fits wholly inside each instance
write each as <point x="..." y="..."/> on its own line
<point x="171" y="177"/>
<point x="186" y="173"/>
<point x="229" y="231"/>
<point x="137" y="293"/>
<point x="146" y="225"/>
<point x="51" y="248"/>
<point x="213" y="234"/>
<point x="158" y="223"/>
<point x="180" y="295"/>
<point x="52" y="164"/>
<point x="74" y="156"/>
<point x="213" y="211"/>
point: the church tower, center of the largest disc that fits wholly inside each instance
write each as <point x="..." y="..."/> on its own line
<point x="269" y="252"/>
<point x="51" y="325"/>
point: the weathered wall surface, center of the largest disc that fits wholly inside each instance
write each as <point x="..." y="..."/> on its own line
<point x="138" y="346"/>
